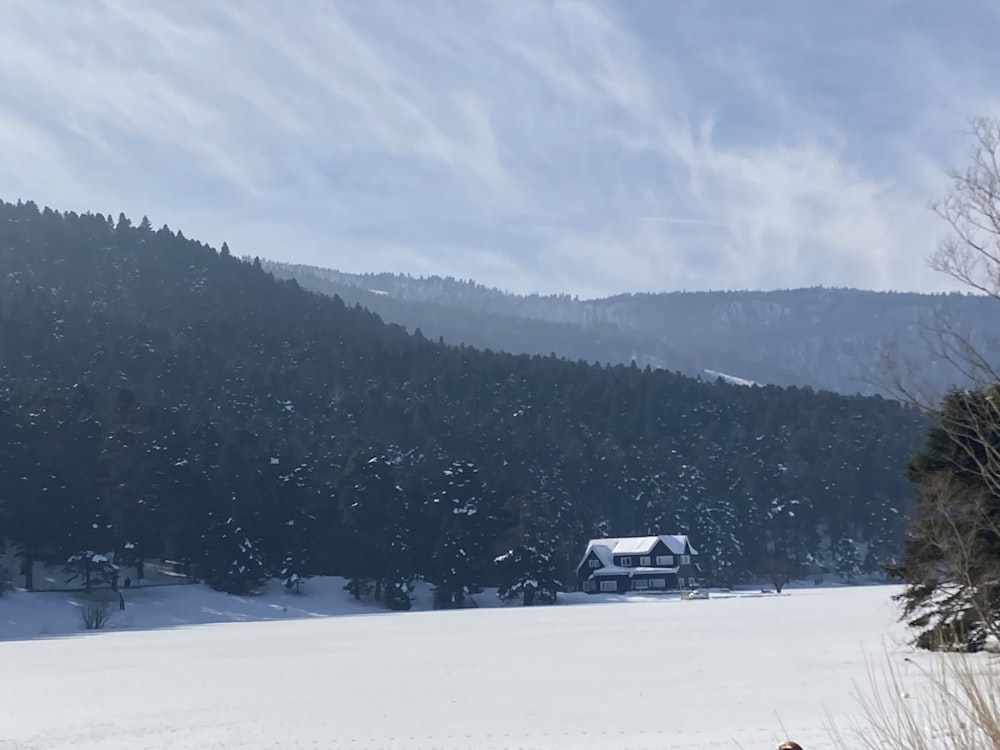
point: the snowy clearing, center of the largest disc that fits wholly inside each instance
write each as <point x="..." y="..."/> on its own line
<point x="736" y="672"/>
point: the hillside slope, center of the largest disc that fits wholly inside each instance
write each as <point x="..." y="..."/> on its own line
<point x="165" y="399"/>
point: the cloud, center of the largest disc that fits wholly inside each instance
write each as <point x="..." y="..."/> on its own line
<point x="549" y="145"/>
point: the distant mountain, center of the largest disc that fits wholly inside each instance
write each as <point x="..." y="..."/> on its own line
<point x="832" y="339"/>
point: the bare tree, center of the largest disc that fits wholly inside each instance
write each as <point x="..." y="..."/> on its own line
<point x="952" y="561"/>
<point x="969" y="254"/>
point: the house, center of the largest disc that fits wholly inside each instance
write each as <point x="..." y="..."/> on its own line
<point x="638" y="563"/>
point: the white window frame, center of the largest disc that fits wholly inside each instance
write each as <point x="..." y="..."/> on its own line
<point x="640" y="584"/>
<point x="665" y="560"/>
<point x="609" y="587"/>
<point x="624" y="562"/>
<point x="594" y="563"/>
<point x="646" y="561"/>
<point x="685" y="559"/>
<point x="657" y="583"/>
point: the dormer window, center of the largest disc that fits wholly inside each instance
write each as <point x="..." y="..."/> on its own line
<point x="625" y="562"/>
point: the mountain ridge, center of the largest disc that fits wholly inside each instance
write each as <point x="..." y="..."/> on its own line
<point x="830" y="338"/>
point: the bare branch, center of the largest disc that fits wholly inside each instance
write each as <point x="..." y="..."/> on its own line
<point x="953" y="554"/>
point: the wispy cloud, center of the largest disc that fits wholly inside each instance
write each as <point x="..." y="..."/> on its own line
<point x="554" y="145"/>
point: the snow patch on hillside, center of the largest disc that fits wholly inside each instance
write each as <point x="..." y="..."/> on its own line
<point x="714" y="375"/>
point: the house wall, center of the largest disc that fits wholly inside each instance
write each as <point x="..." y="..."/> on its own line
<point x="684" y="572"/>
<point x="585" y="570"/>
<point x="687" y="572"/>
<point x="622" y="585"/>
<point x="670" y="579"/>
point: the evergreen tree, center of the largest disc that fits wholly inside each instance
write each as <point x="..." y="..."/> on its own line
<point x="951" y="561"/>
<point x="376" y="544"/>
<point x="90" y="568"/>
<point x="466" y="513"/>
<point x="529" y="568"/>
<point x="233" y="562"/>
<point x="847" y="559"/>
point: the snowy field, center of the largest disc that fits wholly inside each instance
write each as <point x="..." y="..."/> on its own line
<point x="728" y="672"/>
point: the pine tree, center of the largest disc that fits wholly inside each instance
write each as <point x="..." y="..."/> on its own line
<point x="233" y="561"/>
<point x="376" y="544"/>
<point x="951" y="561"/>
<point x="90" y="568"/>
<point x="847" y="559"/>
<point x="528" y="569"/>
<point x="467" y="522"/>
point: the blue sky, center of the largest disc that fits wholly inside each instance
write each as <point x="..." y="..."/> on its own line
<point x="568" y="146"/>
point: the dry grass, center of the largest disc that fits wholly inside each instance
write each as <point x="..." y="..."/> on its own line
<point x="956" y="705"/>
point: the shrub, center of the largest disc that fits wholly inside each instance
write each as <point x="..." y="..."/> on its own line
<point x="96" y="613"/>
<point x="397" y="597"/>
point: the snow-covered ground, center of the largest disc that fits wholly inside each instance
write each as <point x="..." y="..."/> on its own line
<point x="728" y="672"/>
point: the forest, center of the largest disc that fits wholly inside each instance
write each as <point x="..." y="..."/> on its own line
<point x="162" y="399"/>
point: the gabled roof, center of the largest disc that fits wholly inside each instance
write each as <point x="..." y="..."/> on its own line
<point x="677" y="542"/>
<point x="602" y="549"/>
<point x="606" y="548"/>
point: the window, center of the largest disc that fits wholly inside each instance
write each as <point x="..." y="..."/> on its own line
<point x="640" y="584"/>
<point x="685" y="559"/>
<point x="657" y="583"/>
<point x="666" y="560"/>
<point x="680" y="583"/>
<point x="609" y="586"/>
<point x="594" y="563"/>
<point x="645" y="561"/>
<point x="625" y="562"/>
<point x="589" y="586"/>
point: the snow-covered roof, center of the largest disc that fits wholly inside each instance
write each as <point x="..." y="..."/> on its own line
<point x="636" y="545"/>
<point x="615" y="570"/>
<point x="677" y="542"/>
<point x="611" y="570"/>
<point x="602" y="548"/>
<point x="607" y="547"/>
